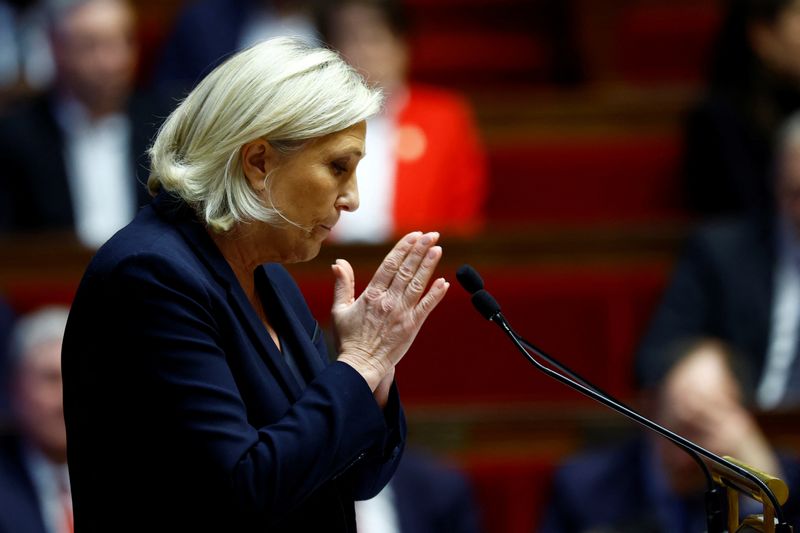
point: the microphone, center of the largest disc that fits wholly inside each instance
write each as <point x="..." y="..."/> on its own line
<point x="472" y="282"/>
<point x="488" y="307"/>
<point x="469" y="278"/>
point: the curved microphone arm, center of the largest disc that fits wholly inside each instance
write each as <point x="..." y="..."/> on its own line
<point x="694" y="449"/>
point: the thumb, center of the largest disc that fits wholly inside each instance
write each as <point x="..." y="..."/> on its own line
<point x="344" y="283"/>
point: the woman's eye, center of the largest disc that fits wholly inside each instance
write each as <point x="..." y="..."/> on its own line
<point x="339" y="168"/>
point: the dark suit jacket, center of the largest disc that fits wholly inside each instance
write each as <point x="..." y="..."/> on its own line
<point x="721" y="287"/>
<point x="19" y="505"/>
<point x="432" y="498"/>
<point x="34" y="189"/>
<point x="189" y="54"/>
<point x="182" y="415"/>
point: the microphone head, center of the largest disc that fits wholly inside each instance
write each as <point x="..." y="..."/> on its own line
<point x="469" y="278"/>
<point x="486" y="305"/>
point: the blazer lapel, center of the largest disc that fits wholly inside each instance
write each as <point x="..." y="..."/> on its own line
<point x="307" y="357"/>
<point x="194" y="232"/>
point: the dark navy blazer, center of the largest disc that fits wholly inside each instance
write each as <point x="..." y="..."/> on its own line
<point x="182" y="414"/>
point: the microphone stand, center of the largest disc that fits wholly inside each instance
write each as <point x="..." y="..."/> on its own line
<point x="715" y="518"/>
<point x="726" y="470"/>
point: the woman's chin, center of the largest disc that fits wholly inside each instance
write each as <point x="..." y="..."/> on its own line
<point x="306" y="252"/>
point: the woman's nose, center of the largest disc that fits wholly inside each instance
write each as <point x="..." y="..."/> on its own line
<point x="348" y="197"/>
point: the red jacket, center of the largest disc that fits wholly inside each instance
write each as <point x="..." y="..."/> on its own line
<point x="441" y="165"/>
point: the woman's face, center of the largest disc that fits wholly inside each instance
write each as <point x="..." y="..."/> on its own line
<point x="366" y="41"/>
<point x="311" y="187"/>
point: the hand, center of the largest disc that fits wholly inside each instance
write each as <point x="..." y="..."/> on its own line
<point x="726" y="427"/>
<point x="375" y="331"/>
<point x="381" y="393"/>
<point x="702" y="400"/>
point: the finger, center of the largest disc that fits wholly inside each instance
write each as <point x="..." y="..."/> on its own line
<point x="344" y="283"/>
<point x="429" y="302"/>
<point x="416" y="287"/>
<point x="385" y="274"/>
<point x="411" y="265"/>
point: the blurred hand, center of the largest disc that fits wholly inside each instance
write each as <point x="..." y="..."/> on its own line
<point x="702" y="401"/>
<point x="375" y="331"/>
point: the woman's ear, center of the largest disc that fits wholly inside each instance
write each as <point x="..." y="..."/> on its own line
<point x="258" y="157"/>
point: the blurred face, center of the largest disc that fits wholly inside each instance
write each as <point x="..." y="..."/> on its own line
<point x="778" y="43"/>
<point x="96" y="55"/>
<point x="698" y="398"/>
<point x="362" y="36"/>
<point x="310" y="187"/>
<point x="38" y="399"/>
<point x="788" y="189"/>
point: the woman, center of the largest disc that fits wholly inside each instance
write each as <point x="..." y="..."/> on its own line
<point x="198" y="396"/>
<point x="754" y="86"/>
<point x="424" y="146"/>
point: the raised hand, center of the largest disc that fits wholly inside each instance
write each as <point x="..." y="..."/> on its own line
<point x="375" y="331"/>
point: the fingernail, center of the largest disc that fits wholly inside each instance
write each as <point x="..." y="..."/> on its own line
<point x="427" y="239"/>
<point x="433" y="251"/>
<point x="413" y="237"/>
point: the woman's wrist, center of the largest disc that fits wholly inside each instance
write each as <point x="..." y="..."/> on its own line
<point x="368" y="370"/>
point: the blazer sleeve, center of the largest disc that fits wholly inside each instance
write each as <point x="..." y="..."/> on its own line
<point x="333" y="426"/>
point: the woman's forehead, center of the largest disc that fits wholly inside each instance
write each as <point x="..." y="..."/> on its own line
<point x="349" y="141"/>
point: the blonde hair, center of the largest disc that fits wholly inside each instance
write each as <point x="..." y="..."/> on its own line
<point x="282" y="90"/>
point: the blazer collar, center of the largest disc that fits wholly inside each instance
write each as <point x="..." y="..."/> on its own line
<point x="177" y="212"/>
<point x="308" y="357"/>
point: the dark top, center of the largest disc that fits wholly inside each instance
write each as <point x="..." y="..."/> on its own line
<point x="722" y="287"/>
<point x="189" y="54"/>
<point x="729" y="150"/>
<point x="20" y="510"/>
<point x="430" y="497"/>
<point x="182" y="414"/>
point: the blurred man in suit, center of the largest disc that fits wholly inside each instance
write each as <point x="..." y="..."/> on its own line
<point x="424" y="496"/>
<point x="649" y="485"/>
<point x="73" y="158"/>
<point x="739" y="281"/>
<point x="34" y="484"/>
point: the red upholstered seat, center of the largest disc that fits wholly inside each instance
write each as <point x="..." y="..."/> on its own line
<point x="589" y="319"/>
<point x="512" y="492"/>
<point x="581" y="179"/>
<point x="666" y="42"/>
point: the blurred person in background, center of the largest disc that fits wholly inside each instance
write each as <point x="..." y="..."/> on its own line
<point x="754" y="86"/>
<point x="208" y="31"/>
<point x="26" y="60"/>
<point x="739" y="280"/>
<point x="34" y="483"/>
<point x="423" y="496"/>
<point x="648" y="484"/>
<point x="427" y="166"/>
<point x="74" y="158"/>
<point x="6" y="323"/>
